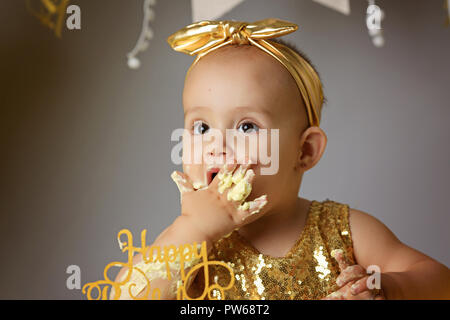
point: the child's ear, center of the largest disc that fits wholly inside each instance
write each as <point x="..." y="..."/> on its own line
<point x="312" y="146"/>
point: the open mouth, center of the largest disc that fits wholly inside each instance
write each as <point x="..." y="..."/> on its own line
<point x="212" y="173"/>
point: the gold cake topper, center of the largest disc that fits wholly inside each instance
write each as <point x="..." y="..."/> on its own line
<point x="155" y="260"/>
<point x="51" y="13"/>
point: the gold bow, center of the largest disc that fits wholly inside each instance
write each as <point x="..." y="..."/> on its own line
<point x="202" y="37"/>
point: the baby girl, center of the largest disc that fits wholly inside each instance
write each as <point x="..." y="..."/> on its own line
<point x="279" y="245"/>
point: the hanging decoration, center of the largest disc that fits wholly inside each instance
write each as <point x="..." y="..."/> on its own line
<point x="373" y="20"/>
<point x="51" y="13"/>
<point x="343" y="6"/>
<point x="214" y="9"/>
<point x="211" y="9"/>
<point x="145" y="36"/>
<point x="447" y="6"/>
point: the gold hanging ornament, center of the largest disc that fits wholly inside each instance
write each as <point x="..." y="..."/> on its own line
<point x="447" y="7"/>
<point x="51" y="13"/>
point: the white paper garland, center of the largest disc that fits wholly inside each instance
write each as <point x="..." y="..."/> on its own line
<point x="373" y="21"/>
<point x="145" y="36"/>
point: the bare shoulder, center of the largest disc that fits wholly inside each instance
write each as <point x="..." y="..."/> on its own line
<point x="375" y="244"/>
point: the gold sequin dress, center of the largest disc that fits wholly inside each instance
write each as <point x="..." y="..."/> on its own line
<point x="307" y="271"/>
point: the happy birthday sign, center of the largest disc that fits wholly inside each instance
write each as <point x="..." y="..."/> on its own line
<point x="154" y="262"/>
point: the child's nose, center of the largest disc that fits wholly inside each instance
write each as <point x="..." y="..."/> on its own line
<point x="218" y="156"/>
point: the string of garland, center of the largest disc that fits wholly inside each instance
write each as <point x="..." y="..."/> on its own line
<point x="51" y="13"/>
<point x="145" y="36"/>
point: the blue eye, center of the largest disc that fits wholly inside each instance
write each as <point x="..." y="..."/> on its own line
<point x="200" y="127"/>
<point x="247" y="127"/>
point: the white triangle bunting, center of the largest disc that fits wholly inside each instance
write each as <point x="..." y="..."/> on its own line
<point x="211" y="9"/>
<point x="343" y="6"/>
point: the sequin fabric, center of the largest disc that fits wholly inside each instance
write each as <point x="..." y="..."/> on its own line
<point x="306" y="272"/>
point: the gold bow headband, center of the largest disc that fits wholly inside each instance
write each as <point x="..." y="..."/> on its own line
<point x="205" y="36"/>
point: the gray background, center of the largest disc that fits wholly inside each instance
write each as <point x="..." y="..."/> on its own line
<point x="85" y="141"/>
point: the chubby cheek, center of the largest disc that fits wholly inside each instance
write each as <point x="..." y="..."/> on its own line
<point x="276" y="184"/>
<point x="264" y="184"/>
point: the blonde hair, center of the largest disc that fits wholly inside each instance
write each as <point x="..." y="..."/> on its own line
<point x="294" y="48"/>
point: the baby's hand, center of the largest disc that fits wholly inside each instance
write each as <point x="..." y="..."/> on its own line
<point x="220" y="208"/>
<point x="352" y="282"/>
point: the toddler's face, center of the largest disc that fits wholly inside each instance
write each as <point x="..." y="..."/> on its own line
<point x="245" y="89"/>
